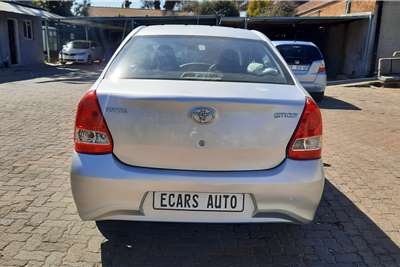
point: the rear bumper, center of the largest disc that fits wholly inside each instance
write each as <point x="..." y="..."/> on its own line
<point x="105" y="189"/>
<point x="82" y="59"/>
<point x="316" y="86"/>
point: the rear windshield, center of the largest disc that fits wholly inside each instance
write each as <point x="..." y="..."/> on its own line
<point x="78" y="45"/>
<point x="299" y="54"/>
<point x="198" y="58"/>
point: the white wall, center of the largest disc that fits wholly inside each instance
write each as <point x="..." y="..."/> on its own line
<point x="30" y="51"/>
<point x="389" y="34"/>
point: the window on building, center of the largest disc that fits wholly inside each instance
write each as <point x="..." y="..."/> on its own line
<point x="28" y="31"/>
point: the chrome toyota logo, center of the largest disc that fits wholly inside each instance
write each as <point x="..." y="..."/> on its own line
<point x="203" y="115"/>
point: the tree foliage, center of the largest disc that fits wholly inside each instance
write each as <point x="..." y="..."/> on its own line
<point x="258" y="8"/>
<point x="82" y="8"/>
<point x="126" y="4"/>
<point x="270" y="8"/>
<point x="228" y="8"/>
<point x="170" y="5"/>
<point x="62" y="7"/>
<point x="210" y="7"/>
<point x="190" y="6"/>
<point x="150" y="4"/>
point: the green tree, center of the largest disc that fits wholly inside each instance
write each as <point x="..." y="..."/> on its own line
<point x="258" y="7"/>
<point x="170" y="5"/>
<point x="62" y="7"/>
<point x="190" y="6"/>
<point x="150" y="4"/>
<point x="283" y="8"/>
<point x="147" y="4"/>
<point x="221" y="8"/>
<point x="82" y="8"/>
<point x="157" y="5"/>
<point x="126" y="4"/>
<point x="270" y="8"/>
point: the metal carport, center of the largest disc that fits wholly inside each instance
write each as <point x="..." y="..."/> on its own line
<point x="346" y="41"/>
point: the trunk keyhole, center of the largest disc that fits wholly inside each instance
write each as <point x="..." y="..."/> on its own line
<point x="202" y="143"/>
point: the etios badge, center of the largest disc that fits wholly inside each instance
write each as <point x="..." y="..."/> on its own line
<point x="203" y="115"/>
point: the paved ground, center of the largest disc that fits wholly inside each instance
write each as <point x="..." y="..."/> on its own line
<point x="357" y="224"/>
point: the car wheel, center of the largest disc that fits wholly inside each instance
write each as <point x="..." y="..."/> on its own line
<point x="110" y="229"/>
<point x="318" y="96"/>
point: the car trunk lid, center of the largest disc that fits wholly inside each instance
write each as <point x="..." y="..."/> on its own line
<point x="151" y="123"/>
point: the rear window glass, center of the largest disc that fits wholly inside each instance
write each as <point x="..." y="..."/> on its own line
<point x="198" y="58"/>
<point x="304" y="54"/>
<point x="78" y="45"/>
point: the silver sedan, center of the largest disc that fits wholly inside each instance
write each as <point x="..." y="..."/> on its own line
<point x="197" y="124"/>
<point x="306" y="61"/>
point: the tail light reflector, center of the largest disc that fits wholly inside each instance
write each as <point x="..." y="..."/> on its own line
<point x="321" y="69"/>
<point x="306" y="141"/>
<point x="91" y="132"/>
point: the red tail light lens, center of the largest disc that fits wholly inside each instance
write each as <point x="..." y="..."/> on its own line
<point x="91" y="133"/>
<point x="307" y="140"/>
<point x="321" y="69"/>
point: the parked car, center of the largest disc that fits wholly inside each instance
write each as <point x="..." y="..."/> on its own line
<point x="81" y="51"/>
<point x="197" y="124"/>
<point x="307" y="63"/>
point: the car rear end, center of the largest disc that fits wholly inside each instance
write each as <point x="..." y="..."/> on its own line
<point x="79" y="57"/>
<point x="196" y="150"/>
<point x="75" y="51"/>
<point x="307" y="63"/>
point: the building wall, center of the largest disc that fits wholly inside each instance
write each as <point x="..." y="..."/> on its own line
<point x="389" y="33"/>
<point x="30" y="52"/>
<point x="344" y="50"/>
<point x="332" y="9"/>
<point x="334" y="54"/>
<point x="335" y="8"/>
<point x="362" y="6"/>
<point x="354" y="49"/>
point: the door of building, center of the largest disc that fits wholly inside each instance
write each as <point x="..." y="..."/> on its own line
<point x="12" y="40"/>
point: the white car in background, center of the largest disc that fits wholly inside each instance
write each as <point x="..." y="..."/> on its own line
<point x="81" y="51"/>
<point x="307" y="63"/>
<point x="197" y="124"/>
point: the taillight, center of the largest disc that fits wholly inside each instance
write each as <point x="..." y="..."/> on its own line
<point x="307" y="139"/>
<point x="91" y="133"/>
<point x="321" y="69"/>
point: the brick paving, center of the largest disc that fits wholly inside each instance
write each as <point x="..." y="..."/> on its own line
<point x="357" y="224"/>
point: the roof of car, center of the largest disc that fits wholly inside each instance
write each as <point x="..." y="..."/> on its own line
<point x="199" y="30"/>
<point x="294" y="42"/>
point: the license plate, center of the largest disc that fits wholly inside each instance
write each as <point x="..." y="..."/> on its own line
<point x="198" y="201"/>
<point x="299" y="67"/>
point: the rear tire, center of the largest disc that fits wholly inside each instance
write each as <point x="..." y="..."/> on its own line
<point x="111" y="230"/>
<point x="318" y="96"/>
<point x="122" y="231"/>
